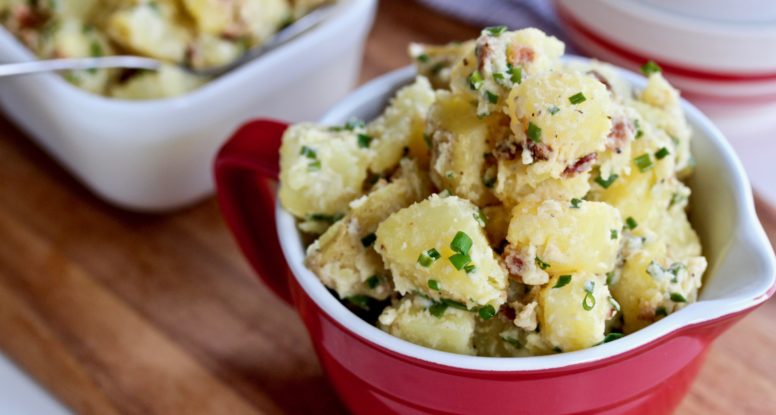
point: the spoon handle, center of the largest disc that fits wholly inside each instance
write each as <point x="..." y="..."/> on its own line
<point x="48" y="65"/>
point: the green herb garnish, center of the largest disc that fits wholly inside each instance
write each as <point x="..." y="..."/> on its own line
<point x="650" y="67"/>
<point x="460" y="260"/>
<point x="643" y="162"/>
<point x="437" y="309"/>
<point x="487" y="312"/>
<point x="495" y="30"/>
<point x="422" y="58"/>
<point x="662" y="153"/>
<point x="612" y="337"/>
<point x="308" y="152"/>
<point x="461" y="243"/>
<point x="425" y="259"/>
<point x="433" y="284"/>
<point x="639" y="131"/>
<point x="606" y="183"/>
<point x="589" y="301"/>
<point x="360" y="301"/>
<point x="481" y="219"/>
<point x="613" y="234"/>
<point x="575" y="203"/>
<point x="322" y="217"/>
<point x="577" y="98"/>
<point x="492" y="98"/>
<point x="475" y="80"/>
<point x="563" y="280"/>
<point x="534" y="133"/>
<point x="364" y="140"/>
<point x="470" y="268"/>
<point x="515" y="73"/>
<point x="631" y="223"/>
<point x="354" y="123"/>
<point x="373" y="281"/>
<point x="678" y="298"/>
<point x="541" y="264"/>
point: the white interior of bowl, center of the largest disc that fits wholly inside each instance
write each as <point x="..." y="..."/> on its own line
<point x="741" y="263"/>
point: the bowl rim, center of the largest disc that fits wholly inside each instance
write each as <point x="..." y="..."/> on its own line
<point x="202" y="95"/>
<point x="699" y="313"/>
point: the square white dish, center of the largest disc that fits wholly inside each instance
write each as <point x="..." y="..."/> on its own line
<point x="157" y="155"/>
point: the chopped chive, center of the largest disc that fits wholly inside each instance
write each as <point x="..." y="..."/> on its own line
<point x="650" y="67"/>
<point x="373" y="281"/>
<point x="541" y="264"/>
<point x="480" y="218"/>
<point x="515" y="74"/>
<point x="661" y="311"/>
<point x="364" y="140"/>
<point x="678" y="298"/>
<point x="577" y="98"/>
<point x="422" y="58"/>
<point x="433" y="284"/>
<point x="613" y="233"/>
<point x="354" y="123"/>
<point x="487" y="312"/>
<point x="437" y="309"/>
<point x="606" y="183"/>
<point x="643" y="162"/>
<point x="425" y="259"/>
<point x="612" y="337"/>
<point x="639" y="131"/>
<point x="314" y="165"/>
<point x="563" y="280"/>
<point x="461" y="243"/>
<point x="460" y="260"/>
<point x="308" y="152"/>
<point x="588" y="302"/>
<point x="534" y="133"/>
<point x="475" y="80"/>
<point x="575" y="203"/>
<point x="368" y="240"/>
<point x="360" y="301"/>
<point x="455" y="304"/>
<point x="662" y="153"/>
<point x="427" y="139"/>
<point x="95" y="49"/>
<point x="470" y="268"/>
<point x="553" y="110"/>
<point x="631" y="223"/>
<point x="495" y="30"/>
<point x="676" y="198"/>
<point x="492" y="98"/>
<point x="609" y="277"/>
<point x="498" y="76"/>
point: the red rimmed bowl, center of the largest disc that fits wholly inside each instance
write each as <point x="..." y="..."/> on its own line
<point x="647" y="372"/>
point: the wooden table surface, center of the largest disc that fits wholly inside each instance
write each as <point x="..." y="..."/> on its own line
<point x="122" y="313"/>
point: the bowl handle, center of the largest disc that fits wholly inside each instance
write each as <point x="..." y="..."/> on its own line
<point x="245" y="170"/>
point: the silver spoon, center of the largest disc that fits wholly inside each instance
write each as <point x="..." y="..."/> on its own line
<point x="284" y="35"/>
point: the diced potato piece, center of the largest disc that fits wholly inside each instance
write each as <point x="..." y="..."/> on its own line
<point x="436" y="62"/>
<point x="499" y="61"/>
<point x="433" y="223"/>
<point x="568" y="239"/>
<point x="460" y="139"/>
<point x="411" y="320"/>
<point x="343" y="257"/>
<point x="498" y="337"/>
<point x="515" y="182"/>
<point x="402" y="123"/>
<point x="652" y="285"/>
<point x="150" y="29"/>
<point x="255" y="18"/>
<point x="169" y="81"/>
<point x="321" y="170"/>
<point x="561" y="131"/>
<point x="573" y="317"/>
<point x="209" y="51"/>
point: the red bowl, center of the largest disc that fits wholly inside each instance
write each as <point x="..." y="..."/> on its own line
<point x="647" y="372"/>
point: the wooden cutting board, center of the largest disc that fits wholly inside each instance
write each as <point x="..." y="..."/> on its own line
<point x="121" y="313"/>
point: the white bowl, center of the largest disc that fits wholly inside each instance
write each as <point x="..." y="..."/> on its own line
<point x="157" y="155"/>
<point x="741" y="273"/>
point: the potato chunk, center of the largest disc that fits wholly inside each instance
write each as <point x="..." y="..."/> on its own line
<point x="515" y="182"/>
<point x="567" y="238"/>
<point x="321" y="170"/>
<point x="559" y="117"/>
<point x="401" y="125"/>
<point x="573" y="317"/>
<point x="411" y="320"/>
<point x="435" y="62"/>
<point x="501" y="60"/>
<point x="460" y="139"/>
<point x="652" y="284"/>
<point x="343" y="257"/>
<point x="433" y="224"/>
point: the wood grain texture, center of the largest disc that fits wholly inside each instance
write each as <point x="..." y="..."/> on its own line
<point x="121" y="313"/>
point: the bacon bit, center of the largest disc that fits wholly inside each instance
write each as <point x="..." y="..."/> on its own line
<point x="521" y="55"/>
<point x="513" y="261"/>
<point x="601" y="79"/>
<point x="483" y="52"/>
<point x="508" y="312"/>
<point x="27" y="18"/>
<point x="583" y="164"/>
<point x="539" y="151"/>
<point x="507" y="150"/>
<point x="622" y="129"/>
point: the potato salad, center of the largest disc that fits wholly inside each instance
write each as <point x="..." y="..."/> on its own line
<point x="505" y="203"/>
<point x="197" y="33"/>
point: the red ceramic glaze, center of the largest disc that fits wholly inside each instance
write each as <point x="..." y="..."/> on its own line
<point x="373" y="380"/>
